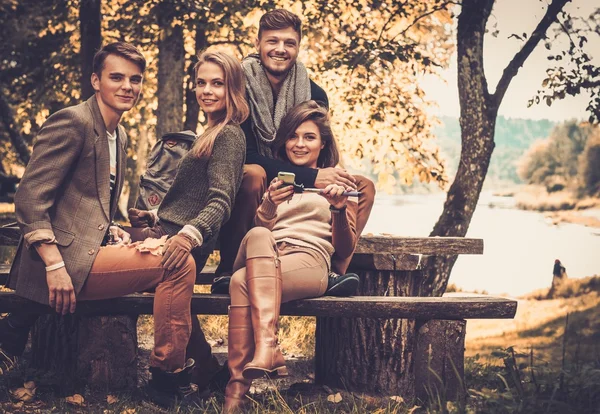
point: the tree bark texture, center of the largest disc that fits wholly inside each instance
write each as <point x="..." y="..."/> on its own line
<point x="8" y="120"/>
<point x="99" y="352"/>
<point x="171" y="57"/>
<point x="439" y="360"/>
<point x="192" y="109"/>
<point x="477" y="121"/>
<point x="478" y="111"/>
<point x="91" y="40"/>
<point x="136" y="165"/>
<point x="370" y="355"/>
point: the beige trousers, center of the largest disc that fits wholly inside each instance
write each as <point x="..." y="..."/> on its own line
<point x="303" y="270"/>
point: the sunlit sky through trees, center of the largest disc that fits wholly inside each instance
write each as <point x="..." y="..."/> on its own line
<point x="517" y="16"/>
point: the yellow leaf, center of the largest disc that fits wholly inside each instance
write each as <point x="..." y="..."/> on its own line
<point x="397" y="399"/>
<point x="23" y="394"/>
<point x="334" y="398"/>
<point x="111" y="399"/>
<point x="152" y="246"/>
<point x="75" y="399"/>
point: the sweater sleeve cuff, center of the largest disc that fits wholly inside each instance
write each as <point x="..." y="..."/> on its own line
<point x="267" y="208"/>
<point x="340" y="220"/>
<point x="192" y="232"/>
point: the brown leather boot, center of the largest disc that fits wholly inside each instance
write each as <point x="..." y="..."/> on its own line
<point x="240" y="349"/>
<point x="263" y="277"/>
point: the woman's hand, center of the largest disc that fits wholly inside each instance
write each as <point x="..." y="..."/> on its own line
<point x="277" y="194"/>
<point x="333" y="194"/>
<point x="176" y="251"/>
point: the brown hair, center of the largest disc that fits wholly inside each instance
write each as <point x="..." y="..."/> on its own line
<point x="280" y="19"/>
<point x="236" y="107"/>
<point x="308" y="111"/>
<point x="122" y="49"/>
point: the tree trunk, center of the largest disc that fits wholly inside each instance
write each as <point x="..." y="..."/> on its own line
<point x="370" y="355"/>
<point x="192" y="109"/>
<point x="171" y="57"/>
<point x="99" y="352"/>
<point x="477" y="121"/>
<point x="478" y="111"/>
<point x="136" y="165"/>
<point x="8" y="119"/>
<point x="91" y="39"/>
<point x="440" y="360"/>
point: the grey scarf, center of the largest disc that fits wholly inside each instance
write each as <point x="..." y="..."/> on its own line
<point x="265" y="114"/>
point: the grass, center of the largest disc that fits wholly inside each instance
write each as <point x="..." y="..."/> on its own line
<point x="546" y="360"/>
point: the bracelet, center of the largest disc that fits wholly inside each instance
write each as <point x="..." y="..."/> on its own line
<point x="55" y="266"/>
<point x="337" y="210"/>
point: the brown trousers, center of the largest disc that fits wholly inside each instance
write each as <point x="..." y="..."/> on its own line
<point x="197" y="348"/>
<point x="254" y="185"/>
<point x="121" y="270"/>
<point x="303" y="270"/>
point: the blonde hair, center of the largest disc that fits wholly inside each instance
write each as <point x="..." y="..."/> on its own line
<point x="236" y="107"/>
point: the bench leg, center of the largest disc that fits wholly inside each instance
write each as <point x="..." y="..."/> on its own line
<point x="98" y="351"/>
<point x="439" y="360"/>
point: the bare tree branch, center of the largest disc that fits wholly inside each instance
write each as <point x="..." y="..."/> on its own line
<point x="538" y="34"/>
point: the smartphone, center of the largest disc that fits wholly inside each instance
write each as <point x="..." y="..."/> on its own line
<point x="287" y="178"/>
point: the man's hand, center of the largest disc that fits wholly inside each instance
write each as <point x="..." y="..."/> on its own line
<point x="176" y="251"/>
<point x="333" y="194"/>
<point x="332" y="175"/>
<point x="141" y="218"/>
<point x="62" y="294"/>
<point x="120" y="236"/>
<point x="278" y="194"/>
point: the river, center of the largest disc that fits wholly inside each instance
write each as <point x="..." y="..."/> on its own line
<point x="519" y="246"/>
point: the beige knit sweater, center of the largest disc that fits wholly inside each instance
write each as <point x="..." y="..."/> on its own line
<point x="307" y="221"/>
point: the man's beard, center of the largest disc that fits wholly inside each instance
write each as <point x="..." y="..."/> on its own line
<point x="277" y="73"/>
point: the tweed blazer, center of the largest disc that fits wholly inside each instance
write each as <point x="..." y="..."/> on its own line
<point x="65" y="194"/>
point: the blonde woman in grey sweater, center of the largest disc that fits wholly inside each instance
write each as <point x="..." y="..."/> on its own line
<point x="287" y="255"/>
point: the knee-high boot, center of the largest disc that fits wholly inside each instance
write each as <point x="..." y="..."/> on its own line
<point x="263" y="276"/>
<point x="240" y="350"/>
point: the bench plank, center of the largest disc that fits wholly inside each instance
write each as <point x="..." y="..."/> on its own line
<point x="450" y="308"/>
<point x="419" y="245"/>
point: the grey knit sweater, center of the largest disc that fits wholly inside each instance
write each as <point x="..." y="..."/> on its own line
<point x="204" y="189"/>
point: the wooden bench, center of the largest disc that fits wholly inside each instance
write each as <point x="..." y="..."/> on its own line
<point x="384" y="340"/>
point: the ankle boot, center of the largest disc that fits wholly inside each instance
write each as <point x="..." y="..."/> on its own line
<point x="167" y="389"/>
<point x="240" y="350"/>
<point x="263" y="277"/>
<point x="207" y="374"/>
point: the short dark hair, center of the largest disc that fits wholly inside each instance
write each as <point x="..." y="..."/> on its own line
<point x="122" y="49"/>
<point x="280" y="19"/>
<point x="307" y="111"/>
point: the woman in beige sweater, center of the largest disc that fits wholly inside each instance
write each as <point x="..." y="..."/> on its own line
<point x="287" y="255"/>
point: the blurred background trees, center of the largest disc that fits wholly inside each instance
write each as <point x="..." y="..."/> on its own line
<point x="369" y="55"/>
<point x="568" y="159"/>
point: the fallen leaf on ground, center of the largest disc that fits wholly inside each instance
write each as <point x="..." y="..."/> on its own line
<point x="23" y="394"/>
<point x="111" y="399"/>
<point x="75" y="399"/>
<point x="128" y="411"/>
<point x="415" y="408"/>
<point x="152" y="246"/>
<point x="397" y="399"/>
<point x="335" y="398"/>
